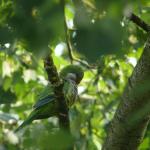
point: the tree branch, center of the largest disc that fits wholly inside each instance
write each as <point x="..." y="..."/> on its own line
<point x="130" y="121"/>
<point x="138" y="21"/>
<point x="53" y="78"/>
<point x="51" y="71"/>
<point x="67" y="36"/>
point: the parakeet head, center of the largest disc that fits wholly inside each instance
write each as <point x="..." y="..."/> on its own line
<point x="71" y="70"/>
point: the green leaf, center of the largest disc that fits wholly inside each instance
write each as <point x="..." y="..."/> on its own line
<point x="7" y="97"/>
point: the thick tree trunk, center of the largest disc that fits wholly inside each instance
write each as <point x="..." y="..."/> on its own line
<point x="130" y="121"/>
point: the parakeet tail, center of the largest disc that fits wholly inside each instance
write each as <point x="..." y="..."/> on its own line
<point x="26" y="122"/>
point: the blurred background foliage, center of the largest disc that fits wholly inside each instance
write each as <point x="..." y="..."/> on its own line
<point x="102" y="41"/>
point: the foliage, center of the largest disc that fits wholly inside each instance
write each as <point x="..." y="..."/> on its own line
<point x="102" y="41"/>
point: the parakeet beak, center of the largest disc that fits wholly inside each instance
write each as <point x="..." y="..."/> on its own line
<point x="71" y="76"/>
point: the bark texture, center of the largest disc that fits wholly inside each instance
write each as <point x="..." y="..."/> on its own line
<point x="130" y="121"/>
<point x="54" y="79"/>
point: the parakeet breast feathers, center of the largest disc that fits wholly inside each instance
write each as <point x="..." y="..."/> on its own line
<point x="70" y="92"/>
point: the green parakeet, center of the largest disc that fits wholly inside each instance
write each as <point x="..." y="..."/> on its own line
<point x="46" y="106"/>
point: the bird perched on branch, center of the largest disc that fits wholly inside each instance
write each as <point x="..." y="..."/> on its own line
<point x="46" y="106"/>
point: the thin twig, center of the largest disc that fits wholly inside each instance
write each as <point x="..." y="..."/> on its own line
<point x="69" y="46"/>
<point x="67" y="36"/>
<point x="83" y="63"/>
<point x="138" y="21"/>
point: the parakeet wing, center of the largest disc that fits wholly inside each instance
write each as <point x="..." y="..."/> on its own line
<point x="46" y="103"/>
<point x="43" y="101"/>
<point x="45" y="97"/>
<point x="48" y="90"/>
<point x="45" y="107"/>
<point x="46" y="110"/>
